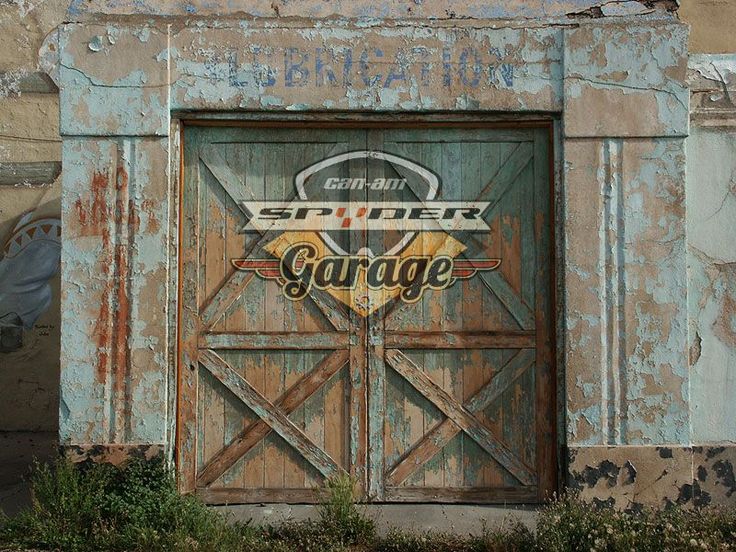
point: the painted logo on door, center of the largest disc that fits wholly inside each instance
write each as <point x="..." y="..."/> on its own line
<point x="368" y="227"/>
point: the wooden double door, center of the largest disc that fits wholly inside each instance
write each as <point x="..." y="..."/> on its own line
<point x="448" y="397"/>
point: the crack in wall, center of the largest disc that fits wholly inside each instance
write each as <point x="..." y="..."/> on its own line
<point x="625" y="8"/>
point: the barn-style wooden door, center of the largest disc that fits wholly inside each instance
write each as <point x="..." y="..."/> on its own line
<point x="448" y="396"/>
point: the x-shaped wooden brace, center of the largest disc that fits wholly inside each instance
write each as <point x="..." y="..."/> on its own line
<point x="493" y="192"/>
<point x="235" y="285"/>
<point x="459" y="418"/>
<point x="271" y="417"/>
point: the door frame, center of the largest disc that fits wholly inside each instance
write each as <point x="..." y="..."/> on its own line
<point x="348" y="120"/>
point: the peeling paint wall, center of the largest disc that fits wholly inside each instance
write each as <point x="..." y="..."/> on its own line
<point x="624" y="262"/>
<point x="702" y="473"/>
<point x="387" y="9"/>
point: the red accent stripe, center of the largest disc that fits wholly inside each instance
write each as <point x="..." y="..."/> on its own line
<point x="264" y="265"/>
<point x="255" y="264"/>
<point x="478" y="264"/>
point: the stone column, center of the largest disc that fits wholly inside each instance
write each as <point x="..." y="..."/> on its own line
<point x="627" y="381"/>
<point x="115" y="242"/>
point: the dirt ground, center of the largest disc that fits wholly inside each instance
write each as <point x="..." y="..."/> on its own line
<point x="17" y="452"/>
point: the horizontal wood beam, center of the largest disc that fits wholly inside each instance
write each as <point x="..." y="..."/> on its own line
<point x="274" y="340"/>
<point x="460" y="340"/>
<point x="257" y="496"/>
<point x="500" y="495"/>
<point x="516" y="495"/>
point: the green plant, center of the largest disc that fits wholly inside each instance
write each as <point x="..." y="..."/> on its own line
<point x="398" y="541"/>
<point x="91" y="507"/>
<point x="512" y="536"/>
<point x="102" y="507"/>
<point x="340" y="516"/>
<point x="340" y="524"/>
<point x="569" y="524"/>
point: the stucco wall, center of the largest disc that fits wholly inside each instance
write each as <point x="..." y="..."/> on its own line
<point x="711" y="25"/>
<point x="711" y="205"/>
<point x="711" y="227"/>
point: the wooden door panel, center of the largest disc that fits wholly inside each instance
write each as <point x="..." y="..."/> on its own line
<point x="496" y="385"/>
<point x="466" y="389"/>
<point x="270" y="461"/>
<point x="448" y="398"/>
<point x="266" y="381"/>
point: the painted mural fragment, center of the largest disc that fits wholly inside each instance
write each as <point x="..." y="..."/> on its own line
<point x="30" y="258"/>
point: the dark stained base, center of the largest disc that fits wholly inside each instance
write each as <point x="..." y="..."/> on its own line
<point x="630" y="477"/>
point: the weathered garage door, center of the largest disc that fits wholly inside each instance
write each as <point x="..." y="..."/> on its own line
<point x="369" y="301"/>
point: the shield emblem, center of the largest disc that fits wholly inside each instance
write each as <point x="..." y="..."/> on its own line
<point x="402" y="179"/>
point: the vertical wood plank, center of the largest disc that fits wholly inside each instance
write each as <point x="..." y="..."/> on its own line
<point x="494" y="154"/>
<point x="434" y="305"/>
<point x="189" y="298"/>
<point x="215" y="267"/>
<point x="314" y="419"/>
<point x="453" y="165"/>
<point x="489" y="474"/>
<point x="418" y="419"/>
<point x="254" y="173"/>
<point x="472" y="369"/>
<point x="273" y="321"/>
<point x="510" y="208"/>
<point x="297" y="317"/>
<point x="237" y="415"/>
<point x="546" y="404"/>
<point x="335" y="419"/>
<point x="376" y="373"/>
<point x="360" y="383"/>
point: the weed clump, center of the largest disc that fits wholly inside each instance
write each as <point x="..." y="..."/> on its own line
<point x="569" y="524"/>
<point x="80" y="508"/>
<point x="340" y="524"/>
<point x="513" y="536"/>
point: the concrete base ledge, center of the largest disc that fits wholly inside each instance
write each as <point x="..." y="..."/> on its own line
<point x="420" y="518"/>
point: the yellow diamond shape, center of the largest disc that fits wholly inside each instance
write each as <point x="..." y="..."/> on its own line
<point x="364" y="300"/>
